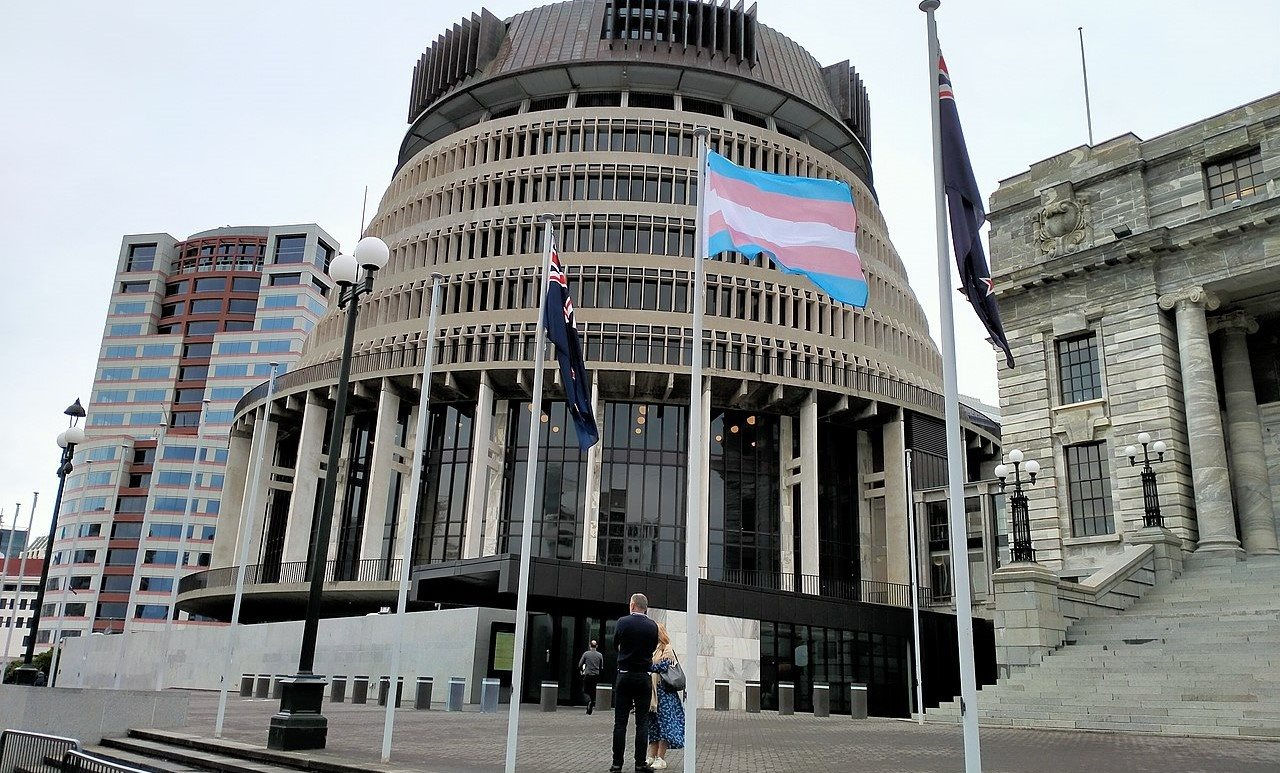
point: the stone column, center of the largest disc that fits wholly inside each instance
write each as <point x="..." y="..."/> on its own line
<point x="231" y="517"/>
<point x="493" y="457"/>
<point x="788" y="478"/>
<point x="376" y="507"/>
<point x="591" y="516"/>
<point x="809" y="486"/>
<point x="1028" y="618"/>
<point x="1249" y="477"/>
<point x="478" y="474"/>
<point x="259" y="489"/>
<point x="306" y="480"/>
<point x="1215" y="517"/>
<point x="896" y="508"/>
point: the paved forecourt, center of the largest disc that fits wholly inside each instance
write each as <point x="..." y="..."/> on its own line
<point x="568" y="741"/>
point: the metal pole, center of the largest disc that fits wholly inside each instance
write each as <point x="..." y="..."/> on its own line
<point x="697" y="499"/>
<point x="917" y="678"/>
<point x="66" y="584"/>
<point x="64" y="469"/>
<point x="1088" y="113"/>
<point x="415" y="489"/>
<point x="530" y="478"/>
<point x="245" y="537"/>
<point x="955" y="449"/>
<point x="178" y="563"/>
<point x="22" y="571"/>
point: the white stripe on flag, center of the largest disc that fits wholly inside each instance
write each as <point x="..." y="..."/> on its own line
<point x="784" y="233"/>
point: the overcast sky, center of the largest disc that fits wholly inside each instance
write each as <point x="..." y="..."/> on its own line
<point x="176" y="117"/>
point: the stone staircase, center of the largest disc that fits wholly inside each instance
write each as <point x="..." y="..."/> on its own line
<point x="1197" y="656"/>
<point x="159" y="751"/>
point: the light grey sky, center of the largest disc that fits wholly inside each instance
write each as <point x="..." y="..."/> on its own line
<point x="175" y="117"/>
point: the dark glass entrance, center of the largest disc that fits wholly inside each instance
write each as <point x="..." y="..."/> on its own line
<point x="555" y="642"/>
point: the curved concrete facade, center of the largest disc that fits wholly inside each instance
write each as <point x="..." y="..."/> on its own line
<point x="812" y="403"/>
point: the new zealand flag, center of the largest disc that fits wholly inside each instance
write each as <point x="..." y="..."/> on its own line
<point x="964" y="202"/>
<point x="558" y="317"/>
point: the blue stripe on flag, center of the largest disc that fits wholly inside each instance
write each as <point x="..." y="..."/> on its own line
<point x="799" y="187"/>
<point x="841" y="288"/>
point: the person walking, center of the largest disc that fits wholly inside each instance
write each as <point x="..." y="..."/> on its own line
<point x="591" y="664"/>
<point x="666" y="712"/>
<point x="635" y="637"/>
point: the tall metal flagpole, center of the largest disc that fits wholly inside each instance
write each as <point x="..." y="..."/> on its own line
<point x="415" y="496"/>
<point x="693" y="508"/>
<point x="955" y="449"/>
<point x="22" y="570"/>
<point x="172" y="612"/>
<point x="1084" y="71"/>
<point x="526" y="528"/>
<point x="246" y="537"/>
<point x="915" y="586"/>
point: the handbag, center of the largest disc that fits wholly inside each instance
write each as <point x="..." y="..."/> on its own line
<point x="673" y="679"/>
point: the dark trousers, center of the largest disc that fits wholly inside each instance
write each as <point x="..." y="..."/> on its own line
<point x="589" y="682"/>
<point x="633" y="691"/>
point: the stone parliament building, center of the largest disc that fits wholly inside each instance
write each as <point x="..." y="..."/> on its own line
<point x="587" y="109"/>
<point x="1139" y="281"/>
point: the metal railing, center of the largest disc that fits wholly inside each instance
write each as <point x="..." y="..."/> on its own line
<point x="293" y="572"/>
<point x="33" y="752"/>
<point x="79" y="762"/>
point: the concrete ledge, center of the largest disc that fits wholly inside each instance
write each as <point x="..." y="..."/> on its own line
<point x="89" y="715"/>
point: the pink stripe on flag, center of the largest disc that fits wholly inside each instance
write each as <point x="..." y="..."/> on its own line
<point x="837" y="214"/>
<point x="821" y="260"/>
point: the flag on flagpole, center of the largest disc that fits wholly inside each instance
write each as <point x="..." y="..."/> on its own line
<point x="964" y="202"/>
<point x="558" y="318"/>
<point x="806" y="225"/>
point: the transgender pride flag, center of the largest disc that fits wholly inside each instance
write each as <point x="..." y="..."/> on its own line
<point x="807" y="226"/>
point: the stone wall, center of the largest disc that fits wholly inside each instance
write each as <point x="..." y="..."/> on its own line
<point x="440" y="644"/>
<point x="89" y="715"/>
<point x="730" y="650"/>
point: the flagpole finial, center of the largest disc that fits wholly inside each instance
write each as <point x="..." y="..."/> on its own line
<point x="930" y="5"/>
<point x="702" y="132"/>
<point x="546" y="217"/>
<point x="436" y="276"/>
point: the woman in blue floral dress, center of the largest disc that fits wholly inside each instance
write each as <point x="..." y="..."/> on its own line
<point x="666" y="712"/>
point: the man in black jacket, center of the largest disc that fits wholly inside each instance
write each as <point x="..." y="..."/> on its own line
<point x="635" y="637"/>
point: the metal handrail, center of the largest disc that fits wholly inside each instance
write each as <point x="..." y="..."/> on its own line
<point x="380" y="570"/>
<point x="293" y="572"/>
<point x="79" y="762"/>
<point x="35" y="752"/>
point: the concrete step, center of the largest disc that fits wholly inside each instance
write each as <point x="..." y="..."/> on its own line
<point x="135" y="759"/>
<point x="172" y="757"/>
<point x="231" y="756"/>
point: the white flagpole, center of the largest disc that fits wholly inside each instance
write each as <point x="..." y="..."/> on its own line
<point x="955" y="450"/>
<point x="246" y="537"/>
<point x="915" y="585"/>
<point x="526" y="529"/>
<point x="407" y="530"/>
<point x="693" y="509"/>
<point x="22" y="571"/>
<point x="179" y="563"/>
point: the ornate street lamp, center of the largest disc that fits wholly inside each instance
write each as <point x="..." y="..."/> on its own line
<point x="1022" y="550"/>
<point x="1150" y="497"/>
<point x="68" y="439"/>
<point x="299" y="723"/>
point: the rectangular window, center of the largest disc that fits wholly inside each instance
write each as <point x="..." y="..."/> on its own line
<point x="179" y="453"/>
<point x="163" y="557"/>
<point x="172" y="309"/>
<point x="171" y="504"/>
<point x="277" y="323"/>
<point x="124" y="330"/>
<point x="116" y="582"/>
<point x="133" y="307"/>
<point x="142" y="257"/>
<point x="121" y="557"/>
<point x="291" y="249"/>
<point x="120" y="352"/>
<point x="226" y="393"/>
<point x="150" y="611"/>
<point x="202" y="328"/>
<point x="75" y="609"/>
<point x="234" y="347"/>
<point x="274" y="347"/>
<point x="189" y="396"/>
<point x="197" y="350"/>
<point x="116" y="374"/>
<point x="215" y="284"/>
<point x="1089" y="488"/>
<point x="278" y="280"/>
<point x="242" y="305"/>
<point x="231" y="371"/>
<point x="149" y="395"/>
<point x="146" y="419"/>
<point x="246" y="284"/>
<point x="173" y="478"/>
<point x="1078" y="371"/>
<point x="1236" y="177"/>
<point x="135" y="287"/>
<point x="106" y="420"/>
<point x="126" y="530"/>
<point x="176" y="288"/>
<point x="185" y="419"/>
<point x="113" y="396"/>
<point x="156" y="584"/>
<point x="206" y="306"/>
<point x="158" y="350"/>
<point x="130" y="504"/>
<point x="280" y="301"/>
<point x="165" y="530"/>
<point x="111" y="610"/>
<point x="193" y="373"/>
<point x="150" y="373"/>
<point x="238" y="325"/>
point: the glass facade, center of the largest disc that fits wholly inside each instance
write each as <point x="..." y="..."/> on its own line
<point x="809" y="654"/>
<point x="443" y="508"/>
<point x="744" y="541"/>
<point x="560" y="484"/>
<point x="351" y="527"/>
<point x="838" y="564"/>
<point x="643" y="474"/>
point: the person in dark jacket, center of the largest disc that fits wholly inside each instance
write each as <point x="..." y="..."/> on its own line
<point x="635" y="637"/>
<point x="591" y="664"/>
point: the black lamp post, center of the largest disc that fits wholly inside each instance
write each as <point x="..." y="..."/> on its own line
<point x="1150" y="497"/>
<point x="1022" y="549"/>
<point x="68" y="440"/>
<point x="299" y="723"/>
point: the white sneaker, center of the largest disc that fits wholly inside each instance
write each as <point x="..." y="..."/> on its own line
<point x="648" y="761"/>
<point x="658" y="763"/>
